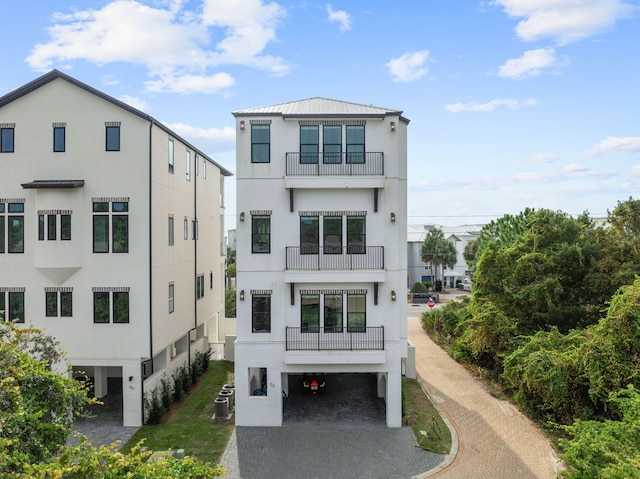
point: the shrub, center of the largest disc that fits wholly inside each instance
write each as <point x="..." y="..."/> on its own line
<point x="166" y="393"/>
<point x="418" y="287"/>
<point x="154" y="407"/>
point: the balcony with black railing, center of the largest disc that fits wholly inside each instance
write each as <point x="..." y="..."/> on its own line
<point x="335" y="339"/>
<point x="335" y="164"/>
<point x="342" y="258"/>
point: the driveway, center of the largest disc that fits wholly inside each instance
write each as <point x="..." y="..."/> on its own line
<point x="496" y="441"/>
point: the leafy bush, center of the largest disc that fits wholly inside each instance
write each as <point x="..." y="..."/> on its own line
<point x="154" y="407"/>
<point x="166" y="393"/>
<point x="230" y="303"/>
<point x="418" y="287"/>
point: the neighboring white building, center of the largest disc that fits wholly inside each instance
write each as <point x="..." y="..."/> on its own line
<point x="321" y="262"/>
<point x="418" y="271"/>
<point x="111" y="235"/>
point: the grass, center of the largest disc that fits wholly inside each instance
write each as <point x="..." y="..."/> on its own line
<point x="421" y="415"/>
<point x="188" y="424"/>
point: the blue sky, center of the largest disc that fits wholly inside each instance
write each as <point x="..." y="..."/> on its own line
<point x="513" y="103"/>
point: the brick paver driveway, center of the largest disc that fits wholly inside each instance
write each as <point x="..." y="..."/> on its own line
<point x="496" y="441"/>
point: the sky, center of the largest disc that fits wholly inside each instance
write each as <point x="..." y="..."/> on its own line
<point x="512" y="103"/>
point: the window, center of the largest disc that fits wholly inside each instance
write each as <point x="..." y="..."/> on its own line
<point x="171" y="298"/>
<point x="48" y="225"/>
<point x="188" y="166"/>
<point x="260" y="234"/>
<point x="113" y="136"/>
<point x="310" y="313"/>
<point x="260" y="143"/>
<point x="309" y="144"/>
<point x="356" y="236"/>
<point x="197" y="164"/>
<point x="14" y="222"/>
<point x="200" y="286"/>
<point x="332" y="234"/>
<point x="12" y="305"/>
<point x="210" y="279"/>
<point x="356" y="313"/>
<point x="58" y="303"/>
<point x="171" y="157"/>
<point x="6" y="139"/>
<point x="333" y="313"/>
<point x="186" y="228"/>
<point x="355" y="143"/>
<point x="116" y="213"/>
<point x="110" y="305"/>
<point x="171" y="233"/>
<point x="309" y="235"/>
<point x="332" y="143"/>
<point x="58" y="138"/>
<point x="261" y="313"/>
<point x="194" y="229"/>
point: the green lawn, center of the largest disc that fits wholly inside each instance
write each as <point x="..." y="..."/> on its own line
<point x="421" y="415"/>
<point x="189" y="425"/>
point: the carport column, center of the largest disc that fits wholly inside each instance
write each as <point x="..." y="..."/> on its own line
<point x="100" y="381"/>
<point x="394" y="397"/>
<point x="131" y="394"/>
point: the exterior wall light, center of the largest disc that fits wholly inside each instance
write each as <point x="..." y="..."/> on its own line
<point x="242" y="295"/>
<point x="393" y="295"/>
<point x="242" y="216"/>
<point x="393" y="126"/>
<point x="393" y="217"/>
<point x="242" y="124"/>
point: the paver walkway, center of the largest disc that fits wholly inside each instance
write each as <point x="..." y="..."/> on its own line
<point x="496" y="441"/>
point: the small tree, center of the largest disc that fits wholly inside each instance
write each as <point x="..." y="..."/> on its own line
<point x="438" y="251"/>
<point x="37" y="405"/>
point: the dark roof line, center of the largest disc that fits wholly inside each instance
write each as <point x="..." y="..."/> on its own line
<point x="57" y="74"/>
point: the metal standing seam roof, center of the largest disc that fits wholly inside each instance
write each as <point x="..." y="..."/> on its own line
<point x="318" y="107"/>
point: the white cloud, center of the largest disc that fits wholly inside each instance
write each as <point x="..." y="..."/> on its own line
<point x="530" y="64"/>
<point x="208" y="139"/>
<point x="339" y="16"/>
<point x="541" y="158"/>
<point x="408" y="67"/>
<point x="635" y="171"/>
<point x="135" y="102"/>
<point x="191" y="83"/>
<point x="565" y="21"/>
<point x="488" y="106"/>
<point x="169" y="42"/>
<point x="613" y="144"/>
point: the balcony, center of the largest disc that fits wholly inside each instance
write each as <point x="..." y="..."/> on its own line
<point x="335" y="339"/>
<point x="335" y="164"/>
<point x="332" y="258"/>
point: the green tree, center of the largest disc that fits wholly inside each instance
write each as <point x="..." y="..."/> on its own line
<point x="438" y="251"/>
<point x="608" y="449"/>
<point x="504" y="232"/>
<point x="37" y="405"/>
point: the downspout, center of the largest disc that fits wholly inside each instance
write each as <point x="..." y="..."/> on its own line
<point x="150" y="211"/>
<point x="196" y="234"/>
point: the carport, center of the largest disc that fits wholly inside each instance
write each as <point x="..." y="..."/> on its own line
<point x="349" y="400"/>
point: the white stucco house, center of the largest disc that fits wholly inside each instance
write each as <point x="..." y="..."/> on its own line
<point x="321" y="261"/>
<point x="460" y="236"/>
<point x="111" y="235"/>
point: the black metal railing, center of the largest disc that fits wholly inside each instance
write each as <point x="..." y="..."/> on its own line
<point x="335" y="164"/>
<point x="335" y="339"/>
<point x="309" y="258"/>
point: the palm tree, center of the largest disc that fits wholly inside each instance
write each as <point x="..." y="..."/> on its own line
<point x="438" y="251"/>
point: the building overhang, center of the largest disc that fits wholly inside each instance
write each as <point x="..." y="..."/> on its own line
<point x="53" y="184"/>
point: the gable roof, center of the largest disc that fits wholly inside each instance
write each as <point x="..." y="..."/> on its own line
<point x="56" y="74"/>
<point x="320" y="107"/>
